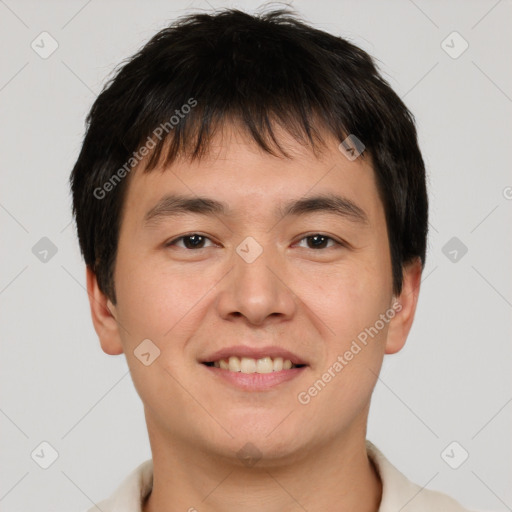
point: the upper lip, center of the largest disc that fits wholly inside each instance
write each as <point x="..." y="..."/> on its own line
<point x="254" y="353"/>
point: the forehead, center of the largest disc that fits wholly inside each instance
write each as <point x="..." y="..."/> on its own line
<point x="249" y="181"/>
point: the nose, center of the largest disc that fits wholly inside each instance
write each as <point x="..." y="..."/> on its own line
<point x="258" y="290"/>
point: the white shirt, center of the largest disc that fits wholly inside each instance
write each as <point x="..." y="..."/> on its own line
<point x="398" y="493"/>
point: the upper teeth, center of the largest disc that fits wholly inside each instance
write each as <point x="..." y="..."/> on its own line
<point x="250" y="365"/>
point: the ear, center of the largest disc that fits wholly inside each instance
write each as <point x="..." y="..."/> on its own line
<point x="102" y="312"/>
<point x="405" y="307"/>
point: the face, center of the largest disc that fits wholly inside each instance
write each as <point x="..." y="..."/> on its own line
<point x="257" y="277"/>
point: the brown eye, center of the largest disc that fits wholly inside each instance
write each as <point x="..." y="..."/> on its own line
<point x="192" y="241"/>
<point x="319" y="241"/>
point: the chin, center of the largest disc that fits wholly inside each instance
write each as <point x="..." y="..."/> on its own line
<point x="265" y="437"/>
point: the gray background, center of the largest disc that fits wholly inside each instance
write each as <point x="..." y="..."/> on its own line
<point x="452" y="380"/>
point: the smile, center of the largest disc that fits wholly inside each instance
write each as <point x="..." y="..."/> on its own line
<point x="264" y="364"/>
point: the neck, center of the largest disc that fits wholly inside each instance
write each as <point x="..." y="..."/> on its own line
<point x="336" y="476"/>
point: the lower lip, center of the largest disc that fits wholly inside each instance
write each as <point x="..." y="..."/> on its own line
<point x="255" y="381"/>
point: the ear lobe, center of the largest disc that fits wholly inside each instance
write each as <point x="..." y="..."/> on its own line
<point x="405" y="307"/>
<point x="103" y="319"/>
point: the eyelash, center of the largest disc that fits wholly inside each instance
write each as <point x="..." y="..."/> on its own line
<point x="174" y="241"/>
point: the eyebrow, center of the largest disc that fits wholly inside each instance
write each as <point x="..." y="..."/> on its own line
<point x="173" y="205"/>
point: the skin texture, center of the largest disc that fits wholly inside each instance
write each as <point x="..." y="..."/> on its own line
<point x="312" y="302"/>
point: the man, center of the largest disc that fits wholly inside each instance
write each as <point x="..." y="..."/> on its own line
<point x="251" y="206"/>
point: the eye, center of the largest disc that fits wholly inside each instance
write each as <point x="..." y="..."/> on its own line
<point x="319" y="241"/>
<point x="192" y="241"/>
<point x="197" y="241"/>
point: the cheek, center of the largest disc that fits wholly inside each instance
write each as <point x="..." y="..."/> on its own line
<point x="342" y="382"/>
<point x="162" y="307"/>
<point x="350" y="298"/>
<point x="158" y="304"/>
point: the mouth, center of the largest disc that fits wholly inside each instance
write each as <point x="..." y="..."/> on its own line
<point x="264" y="364"/>
<point x="250" y="369"/>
